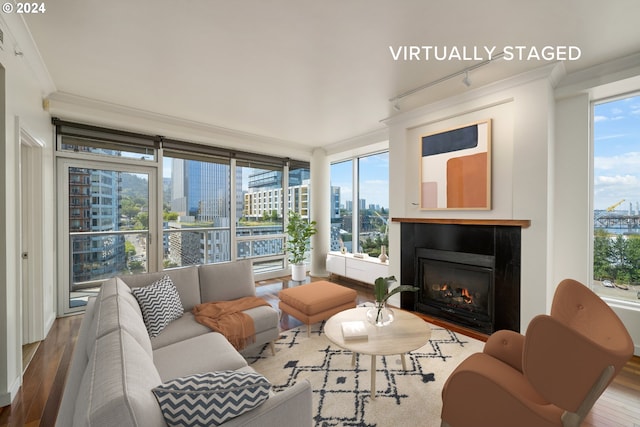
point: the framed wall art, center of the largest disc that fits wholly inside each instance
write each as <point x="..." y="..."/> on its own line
<point x="455" y="168"/>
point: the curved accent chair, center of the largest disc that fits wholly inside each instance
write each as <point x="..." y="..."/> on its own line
<point x="551" y="376"/>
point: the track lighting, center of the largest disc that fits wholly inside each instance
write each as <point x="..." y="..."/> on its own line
<point x="466" y="80"/>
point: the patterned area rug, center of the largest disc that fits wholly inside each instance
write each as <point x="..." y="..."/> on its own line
<point x="341" y="392"/>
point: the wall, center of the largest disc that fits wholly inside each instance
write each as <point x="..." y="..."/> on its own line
<point x="520" y="110"/>
<point x="23" y="93"/>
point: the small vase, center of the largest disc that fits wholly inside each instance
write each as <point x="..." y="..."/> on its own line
<point x="383" y="254"/>
<point x="380" y="315"/>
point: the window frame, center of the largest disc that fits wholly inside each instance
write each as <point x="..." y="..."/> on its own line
<point x="355" y="158"/>
<point x="610" y="299"/>
<point x="155" y="146"/>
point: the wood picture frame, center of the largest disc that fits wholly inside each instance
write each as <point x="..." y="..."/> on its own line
<point x="455" y="168"/>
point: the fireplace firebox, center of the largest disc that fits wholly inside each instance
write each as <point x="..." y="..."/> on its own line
<point x="482" y="300"/>
<point x="456" y="286"/>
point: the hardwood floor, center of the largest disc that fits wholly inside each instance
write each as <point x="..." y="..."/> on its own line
<point x="39" y="398"/>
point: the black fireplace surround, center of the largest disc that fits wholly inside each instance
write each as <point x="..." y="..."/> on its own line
<point x="468" y="275"/>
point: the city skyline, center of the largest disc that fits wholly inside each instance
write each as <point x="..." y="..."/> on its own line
<point x="374" y="179"/>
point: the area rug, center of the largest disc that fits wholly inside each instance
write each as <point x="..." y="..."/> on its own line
<point x="341" y="392"/>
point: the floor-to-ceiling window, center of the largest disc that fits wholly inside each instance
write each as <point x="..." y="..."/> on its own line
<point x="342" y="206"/>
<point x="260" y="214"/>
<point x="360" y="203"/>
<point x="131" y="203"/>
<point x="616" y="197"/>
<point x="373" y="203"/>
<point x="196" y="210"/>
<point x="106" y="203"/>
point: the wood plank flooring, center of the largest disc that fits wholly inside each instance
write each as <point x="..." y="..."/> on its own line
<point x="39" y="398"/>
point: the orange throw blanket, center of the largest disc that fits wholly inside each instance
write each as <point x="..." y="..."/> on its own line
<point x="227" y="317"/>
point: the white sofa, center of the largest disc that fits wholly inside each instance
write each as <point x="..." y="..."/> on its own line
<point x="116" y="364"/>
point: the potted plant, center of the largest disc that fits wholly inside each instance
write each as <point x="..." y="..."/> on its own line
<point x="380" y="315"/>
<point x="300" y="231"/>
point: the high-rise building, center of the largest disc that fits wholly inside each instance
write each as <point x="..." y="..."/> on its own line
<point x="94" y="206"/>
<point x="201" y="195"/>
<point x="202" y="190"/>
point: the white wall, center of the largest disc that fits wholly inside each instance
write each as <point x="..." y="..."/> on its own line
<point x="520" y="110"/>
<point x="24" y="91"/>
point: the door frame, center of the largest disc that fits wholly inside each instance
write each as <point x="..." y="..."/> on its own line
<point x="62" y="165"/>
<point x="31" y="228"/>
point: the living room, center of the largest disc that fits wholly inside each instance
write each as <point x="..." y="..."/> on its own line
<point x="540" y="112"/>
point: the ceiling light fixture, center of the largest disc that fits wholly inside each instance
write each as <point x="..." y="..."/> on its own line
<point x="464" y="72"/>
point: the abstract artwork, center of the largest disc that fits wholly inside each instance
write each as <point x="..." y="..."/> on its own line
<point x="455" y="168"/>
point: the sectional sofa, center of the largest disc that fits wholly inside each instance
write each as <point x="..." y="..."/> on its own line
<point x="116" y="364"/>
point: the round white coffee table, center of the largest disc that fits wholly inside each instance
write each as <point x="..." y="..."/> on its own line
<point x="406" y="333"/>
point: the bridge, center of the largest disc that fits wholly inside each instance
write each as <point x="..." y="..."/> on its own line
<point x="621" y="221"/>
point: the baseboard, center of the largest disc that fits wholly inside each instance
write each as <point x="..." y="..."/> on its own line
<point x="48" y="324"/>
<point x="7" y="398"/>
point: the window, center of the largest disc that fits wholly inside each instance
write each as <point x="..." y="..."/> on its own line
<point x="217" y="205"/>
<point x="367" y="201"/>
<point x="342" y="205"/>
<point x="106" y="226"/>
<point x="196" y="210"/>
<point x="260" y="213"/>
<point x="373" y="203"/>
<point x="616" y="198"/>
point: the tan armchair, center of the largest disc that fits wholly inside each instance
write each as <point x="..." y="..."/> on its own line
<point x="551" y="376"/>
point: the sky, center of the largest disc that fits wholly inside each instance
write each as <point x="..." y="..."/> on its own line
<point x="616" y="167"/>
<point x="374" y="179"/>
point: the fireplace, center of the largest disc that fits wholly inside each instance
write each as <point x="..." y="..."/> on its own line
<point x="468" y="274"/>
<point x="456" y="286"/>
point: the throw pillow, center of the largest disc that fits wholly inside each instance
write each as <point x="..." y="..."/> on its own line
<point x="160" y="304"/>
<point x="212" y="398"/>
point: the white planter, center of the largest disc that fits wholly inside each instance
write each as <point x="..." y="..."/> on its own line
<point x="298" y="272"/>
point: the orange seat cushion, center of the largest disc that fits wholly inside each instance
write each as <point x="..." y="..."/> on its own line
<point x="317" y="297"/>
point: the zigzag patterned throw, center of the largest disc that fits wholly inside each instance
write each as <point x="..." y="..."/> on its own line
<point x="211" y="398"/>
<point x="160" y="304"/>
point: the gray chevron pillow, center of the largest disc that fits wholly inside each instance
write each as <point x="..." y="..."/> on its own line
<point x="160" y="304"/>
<point x="212" y="398"/>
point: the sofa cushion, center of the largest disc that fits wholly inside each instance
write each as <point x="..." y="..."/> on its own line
<point x="204" y="353"/>
<point x="115" y="313"/>
<point x="210" y="398"/>
<point x="160" y="304"/>
<point x="226" y="281"/>
<point x="185" y="280"/>
<point x="116" y="385"/>
<point x="179" y="330"/>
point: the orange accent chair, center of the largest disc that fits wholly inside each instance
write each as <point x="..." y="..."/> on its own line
<point x="552" y="376"/>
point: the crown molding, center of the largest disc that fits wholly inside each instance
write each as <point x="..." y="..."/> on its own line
<point x="373" y="138"/>
<point x="75" y="107"/>
<point x="19" y="41"/>
<point x="584" y="81"/>
<point x="552" y="72"/>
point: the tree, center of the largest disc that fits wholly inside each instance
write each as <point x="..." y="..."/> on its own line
<point x="129" y="248"/>
<point x="601" y="249"/>
<point x="142" y="221"/>
<point x="618" y="259"/>
<point x="170" y="216"/>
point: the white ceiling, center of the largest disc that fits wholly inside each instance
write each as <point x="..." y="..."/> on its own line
<point x="310" y="72"/>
